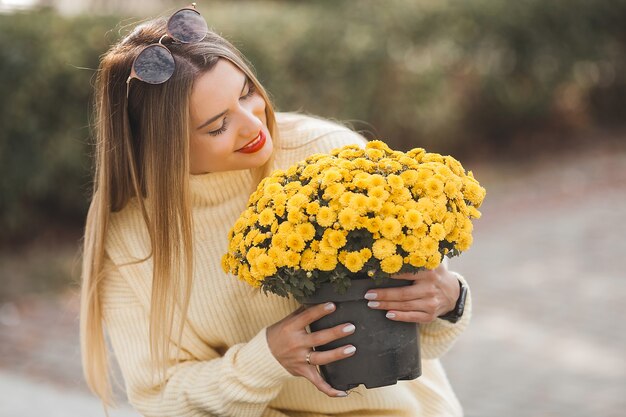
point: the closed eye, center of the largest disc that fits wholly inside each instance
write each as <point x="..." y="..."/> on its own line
<point x="250" y="93"/>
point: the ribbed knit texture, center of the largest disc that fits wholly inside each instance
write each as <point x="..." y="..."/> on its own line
<point x="228" y="368"/>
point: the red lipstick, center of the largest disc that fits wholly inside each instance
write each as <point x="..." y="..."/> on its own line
<point x="255" y="145"/>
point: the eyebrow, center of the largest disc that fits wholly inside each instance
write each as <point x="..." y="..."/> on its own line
<point x="214" y="118"/>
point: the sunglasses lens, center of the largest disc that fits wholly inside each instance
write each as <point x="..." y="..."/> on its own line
<point x="154" y="65"/>
<point x="187" y="26"/>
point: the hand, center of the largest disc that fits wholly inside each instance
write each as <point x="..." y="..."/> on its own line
<point x="290" y="343"/>
<point x="432" y="294"/>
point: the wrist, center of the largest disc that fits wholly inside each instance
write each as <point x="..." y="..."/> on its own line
<point x="457" y="311"/>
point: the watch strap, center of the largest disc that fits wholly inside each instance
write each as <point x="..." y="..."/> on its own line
<point x="457" y="312"/>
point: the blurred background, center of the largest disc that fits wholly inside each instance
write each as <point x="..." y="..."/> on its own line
<point x="530" y="95"/>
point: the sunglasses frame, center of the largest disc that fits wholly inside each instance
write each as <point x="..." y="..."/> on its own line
<point x="133" y="73"/>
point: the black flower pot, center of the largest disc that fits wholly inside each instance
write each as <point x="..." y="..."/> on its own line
<point x="386" y="351"/>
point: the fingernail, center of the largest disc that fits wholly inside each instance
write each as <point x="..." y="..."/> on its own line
<point x="349" y="328"/>
<point x="342" y="394"/>
<point x="373" y="304"/>
<point x="329" y="307"/>
<point x="349" y="350"/>
<point x="371" y="295"/>
<point x="390" y="315"/>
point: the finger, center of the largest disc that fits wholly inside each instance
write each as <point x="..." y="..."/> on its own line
<point x="322" y="385"/>
<point x="321" y="337"/>
<point x="312" y="314"/>
<point x="425" y="305"/>
<point x="333" y="355"/>
<point x="411" y="316"/>
<point x="410" y="292"/>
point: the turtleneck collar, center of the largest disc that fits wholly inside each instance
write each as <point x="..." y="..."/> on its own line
<point x="215" y="188"/>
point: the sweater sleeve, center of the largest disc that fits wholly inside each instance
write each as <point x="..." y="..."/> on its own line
<point x="438" y="336"/>
<point x="240" y="383"/>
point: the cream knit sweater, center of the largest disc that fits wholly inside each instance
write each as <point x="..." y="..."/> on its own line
<point x="228" y="368"/>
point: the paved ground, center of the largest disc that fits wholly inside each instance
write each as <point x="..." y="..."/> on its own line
<point x="547" y="337"/>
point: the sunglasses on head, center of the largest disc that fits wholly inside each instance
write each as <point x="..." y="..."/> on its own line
<point x="155" y="63"/>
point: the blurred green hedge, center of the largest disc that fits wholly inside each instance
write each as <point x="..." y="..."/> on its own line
<point x="452" y="76"/>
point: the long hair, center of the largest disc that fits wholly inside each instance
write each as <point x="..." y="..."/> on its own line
<point x="142" y="156"/>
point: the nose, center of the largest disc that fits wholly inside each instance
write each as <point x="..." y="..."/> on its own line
<point x="252" y="113"/>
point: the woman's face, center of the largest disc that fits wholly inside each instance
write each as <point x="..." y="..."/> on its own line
<point x="229" y="128"/>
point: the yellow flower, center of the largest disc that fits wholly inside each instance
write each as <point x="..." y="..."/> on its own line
<point x="474" y="192"/>
<point x="378" y="192"/>
<point x="359" y="203"/>
<point x="296" y="217"/>
<point x="273" y="188"/>
<point x="264" y="265"/>
<point x="399" y="239"/>
<point x="374" y="204"/>
<point x="434" y="187"/>
<point x="266" y="217"/>
<point x="395" y="181"/>
<point x="348" y="218"/>
<point x="390" y="228"/>
<point x="307" y="260"/>
<point x="437" y="231"/>
<point x="374" y="154"/>
<point x="297" y="202"/>
<point x="451" y="189"/>
<point x="335" y="238"/>
<point x="279" y="240"/>
<point x="345" y="198"/>
<point x="326" y="217"/>
<point x="330" y="176"/>
<point x="295" y="242"/>
<point x="292" y="259"/>
<point x="391" y="264"/>
<point x="377" y="144"/>
<point x="429" y="245"/>
<point x="383" y="248"/>
<point x="386" y="210"/>
<point x="432" y="157"/>
<point x="373" y="225"/>
<point x="433" y="261"/>
<point x="306" y="230"/>
<point x="401" y="196"/>
<point x="409" y="177"/>
<point x="313" y="207"/>
<point x="473" y="212"/>
<point x="464" y="241"/>
<point x="377" y="180"/>
<point x="334" y="191"/>
<point x="353" y="261"/>
<point x="416" y="153"/>
<point x="366" y="254"/>
<point x="410" y="244"/>
<point x="417" y="260"/>
<point x="449" y="221"/>
<point x="326" y="248"/>
<point x="326" y="262"/>
<point x="412" y="218"/>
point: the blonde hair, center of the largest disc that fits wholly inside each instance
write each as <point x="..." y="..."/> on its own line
<point x="142" y="154"/>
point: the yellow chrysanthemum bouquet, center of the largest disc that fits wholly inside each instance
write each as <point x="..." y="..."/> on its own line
<point x="353" y="213"/>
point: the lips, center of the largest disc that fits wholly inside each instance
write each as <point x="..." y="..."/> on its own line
<point x="255" y="144"/>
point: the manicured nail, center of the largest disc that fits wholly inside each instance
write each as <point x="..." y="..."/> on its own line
<point x="329" y="307"/>
<point x="342" y="394"/>
<point x="371" y="295"/>
<point x="373" y="304"/>
<point x="390" y="315"/>
<point x="349" y="328"/>
<point x="349" y="350"/>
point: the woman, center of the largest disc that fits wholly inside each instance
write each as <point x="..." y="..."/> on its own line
<point x="182" y="142"/>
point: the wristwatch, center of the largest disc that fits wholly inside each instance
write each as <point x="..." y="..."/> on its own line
<point x="455" y="314"/>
